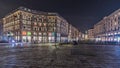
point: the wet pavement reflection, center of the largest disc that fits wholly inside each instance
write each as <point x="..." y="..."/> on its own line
<point x="65" y="56"/>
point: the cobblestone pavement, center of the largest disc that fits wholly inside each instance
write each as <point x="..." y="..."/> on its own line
<point x="67" y="56"/>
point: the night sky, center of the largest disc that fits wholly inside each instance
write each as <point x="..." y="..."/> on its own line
<point x="83" y="14"/>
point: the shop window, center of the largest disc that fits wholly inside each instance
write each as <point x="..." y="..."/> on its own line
<point x="29" y="33"/>
<point x="23" y="32"/>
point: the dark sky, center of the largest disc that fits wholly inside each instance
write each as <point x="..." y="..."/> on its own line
<point x="83" y="14"/>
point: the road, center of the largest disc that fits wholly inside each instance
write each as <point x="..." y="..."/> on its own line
<point x="65" y="56"/>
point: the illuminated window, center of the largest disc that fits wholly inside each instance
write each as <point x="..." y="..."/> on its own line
<point x="23" y="32"/>
<point x="28" y="33"/>
<point x="35" y="23"/>
<point x="44" y="24"/>
<point x="40" y="33"/>
<point x="35" y="33"/>
<point x="40" y="24"/>
<point x="50" y="29"/>
<point x="50" y="34"/>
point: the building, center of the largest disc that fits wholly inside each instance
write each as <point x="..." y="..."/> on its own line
<point x="74" y="33"/>
<point x="80" y="36"/>
<point x="91" y="34"/>
<point x="26" y="25"/>
<point x="108" y="29"/>
<point x="1" y="28"/>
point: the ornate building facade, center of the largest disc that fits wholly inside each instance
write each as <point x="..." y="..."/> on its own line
<point x="26" y="25"/>
<point x="108" y="29"/>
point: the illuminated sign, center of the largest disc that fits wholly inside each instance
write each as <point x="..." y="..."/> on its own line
<point x="29" y="33"/>
<point x="23" y="33"/>
<point x="35" y="23"/>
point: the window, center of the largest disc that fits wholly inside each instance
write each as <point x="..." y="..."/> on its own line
<point x="35" y="23"/>
<point x="17" y="27"/>
<point x="24" y="27"/>
<point x="29" y="22"/>
<point x="39" y="29"/>
<point x="35" y="33"/>
<point x="40" y="33"/>
<point x="35" y="28"/>
<point x="40" y="24"/>
<point x="24" y="33"/>
<point x="45" y="24"/>
<point x="24" y="21"/>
